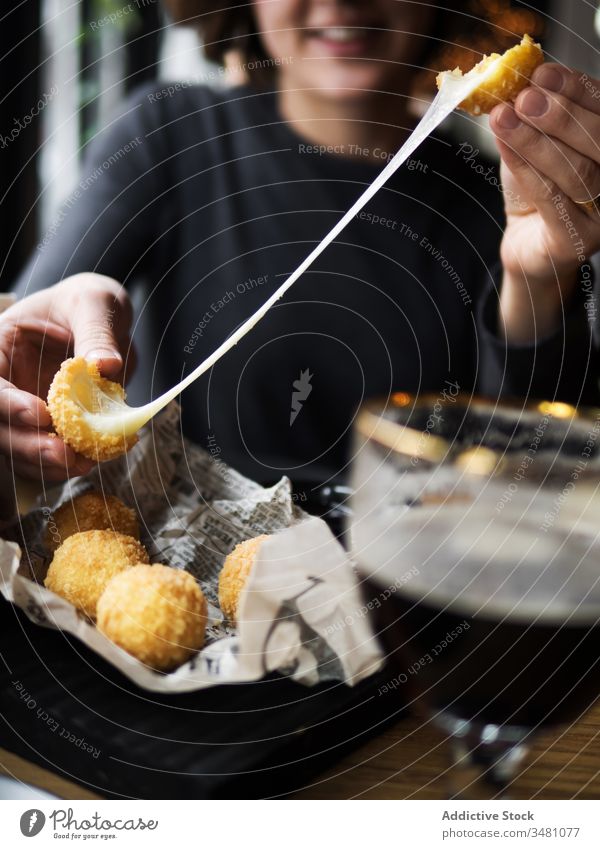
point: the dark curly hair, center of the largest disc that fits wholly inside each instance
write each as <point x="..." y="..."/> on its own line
<point x="227" y="24"/>
<point x="223" y="25"/>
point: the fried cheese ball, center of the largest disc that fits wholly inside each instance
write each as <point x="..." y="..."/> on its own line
<point x="235" y="572"/>
<point x="155" y="613"/>
<point x="84" y="564"/>
<point x="71" y="393"/>
<point x="91" y="511"/>
<point x="506" y="81"/>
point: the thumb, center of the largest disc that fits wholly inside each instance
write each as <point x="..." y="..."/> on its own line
<point x="94" y="328"/>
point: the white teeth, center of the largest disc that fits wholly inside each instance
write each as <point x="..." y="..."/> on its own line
<point x="340" y="34"/>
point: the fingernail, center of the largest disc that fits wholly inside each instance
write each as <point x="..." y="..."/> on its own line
<point x="533" y="103"/>
<point x="550" y="78"/>
<point x="508" y="118"/>
<point x="94" y="356"/>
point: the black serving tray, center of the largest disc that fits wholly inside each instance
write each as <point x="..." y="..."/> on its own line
<point x="60" y="703"/>
<point x="64" y="708"/>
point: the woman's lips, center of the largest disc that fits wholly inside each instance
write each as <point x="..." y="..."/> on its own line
<point x="343" y="41"/>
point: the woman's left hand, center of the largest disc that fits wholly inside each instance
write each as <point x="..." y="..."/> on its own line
<point x="550" y="148"/>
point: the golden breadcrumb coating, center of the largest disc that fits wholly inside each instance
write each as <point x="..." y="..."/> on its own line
<point x="504" y="84"/>
<point x="91" y="511"/>
<point x="234" y="574"/>
<point x="67" y="414"/>
<point x="84" y="564"/>
<point x="156" y="613"/>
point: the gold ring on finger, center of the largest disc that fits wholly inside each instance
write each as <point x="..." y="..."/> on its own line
<point x="591" y="206"/>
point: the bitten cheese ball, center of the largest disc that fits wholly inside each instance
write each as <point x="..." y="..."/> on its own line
<point x="511" y="75"/>
<point x="84" y="564"/>
<point x="234" y="574"/>
<point x="74" y="391"/>
<point x="91" y="511"/>
<point x="155" y="613"/>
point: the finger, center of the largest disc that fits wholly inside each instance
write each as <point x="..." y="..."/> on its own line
<point x="42" y="331"/>
<point x="566" y="224"/>
<point x="33" y="471"/>
<point x="22" y="408"/>
<point x="95" y="330"/>
<point x="574" y="85"/>
<point x="27" y="351"/>
<point x="29" y="446"/>
<point x="575" y="175"/>
<point x="561" y="118"/>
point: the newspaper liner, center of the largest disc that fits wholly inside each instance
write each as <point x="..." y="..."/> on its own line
<point x="301" y="611"/>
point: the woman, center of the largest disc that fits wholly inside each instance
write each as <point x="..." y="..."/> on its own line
<point x="205" y="200"/>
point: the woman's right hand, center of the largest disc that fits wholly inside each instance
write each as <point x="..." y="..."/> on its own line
<point x="86" y="315"/>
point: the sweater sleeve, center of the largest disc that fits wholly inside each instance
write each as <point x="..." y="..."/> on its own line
<point x="562" y="366"/>
<point x="108" y="223"/>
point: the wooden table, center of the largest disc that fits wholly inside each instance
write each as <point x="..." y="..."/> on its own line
<point x="408" y="762"/>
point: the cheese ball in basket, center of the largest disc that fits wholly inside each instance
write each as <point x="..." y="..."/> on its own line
<point x="84" y="564"/>
<point x="234" y="574"/>
<point x="155" y="613"/>
<point x="91" y="511"/>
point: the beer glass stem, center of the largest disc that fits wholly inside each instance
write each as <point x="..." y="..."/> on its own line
<point x="484" y="759"/>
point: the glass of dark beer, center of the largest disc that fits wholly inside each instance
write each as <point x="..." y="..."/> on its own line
<point x="476" y="526"/>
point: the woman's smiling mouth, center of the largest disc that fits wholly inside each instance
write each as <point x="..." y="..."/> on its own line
<point x="351" y="41"/>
